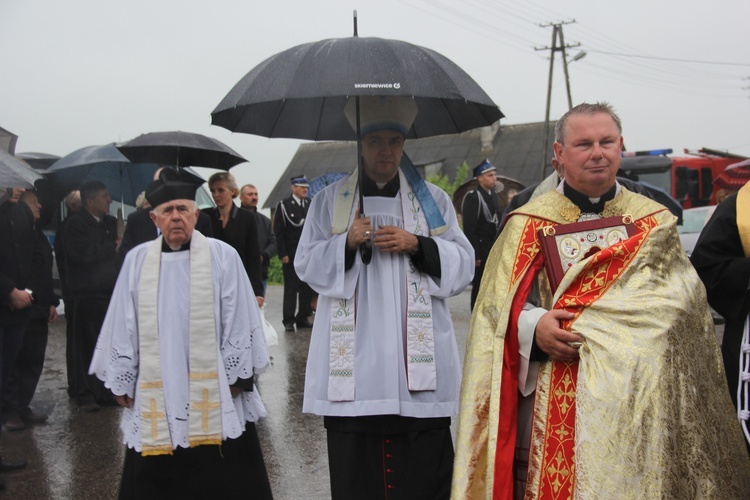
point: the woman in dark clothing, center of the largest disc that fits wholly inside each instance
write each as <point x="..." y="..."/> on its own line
<point x="236" y="228"/>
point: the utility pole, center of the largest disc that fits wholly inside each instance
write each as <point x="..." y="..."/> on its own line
<point x="557" y="34"/>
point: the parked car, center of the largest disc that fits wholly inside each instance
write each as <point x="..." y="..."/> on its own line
<point x="693" y="221"/>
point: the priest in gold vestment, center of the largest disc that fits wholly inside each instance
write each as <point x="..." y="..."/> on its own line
<point x="611" y="387"/>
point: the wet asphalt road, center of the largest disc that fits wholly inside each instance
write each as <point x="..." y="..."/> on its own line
<point x="79" y="455"/>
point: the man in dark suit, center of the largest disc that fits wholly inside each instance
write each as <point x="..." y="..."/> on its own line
<point x="90" y="241"/>
<point x="18" y="257"/>
<point x="266" y="238"/>
<point x="479" y="211"/>
<point x="287" y="224"/>
<point x="140" y="228"/>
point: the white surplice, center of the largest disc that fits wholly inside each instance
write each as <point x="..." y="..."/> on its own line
<point x="379" y="354"/>
<point x="240" y="347"/>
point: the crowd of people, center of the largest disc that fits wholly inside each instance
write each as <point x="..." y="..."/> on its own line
<point x="604" y="380"/>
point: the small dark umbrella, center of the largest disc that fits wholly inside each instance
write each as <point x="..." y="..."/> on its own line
<point x="180" y="149"/>
<point x="301" y="92"/>
<point x="125" y="180"/>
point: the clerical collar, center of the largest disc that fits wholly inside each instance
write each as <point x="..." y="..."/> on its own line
<point x="166" y="249"/>
<point x="389" y="190"/>
<point x="586" y="204"/>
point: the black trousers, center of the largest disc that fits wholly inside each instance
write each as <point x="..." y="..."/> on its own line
<point x="233" y="470"/>
<point x="84" y="320"/>
<point x="11" y="337"/>
<point x="476" y="282"/>
<point x="411" y="465"/>
<point x="21" y="385"/>
<point x="293" y="288"/>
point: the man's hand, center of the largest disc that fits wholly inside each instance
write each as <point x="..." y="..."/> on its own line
<point x="125" y="401"/>
<point x="19" y="299"/>
<point x="394" y="239"/>
<point x="52" y="314"/>
<point x="478" y="263"/>
<point x="285" y="259"/>
<point x="359" y="232"/>
<point x="553" y="340"/>
<point x="260" y="301"/>
<point x="236" y="390"/>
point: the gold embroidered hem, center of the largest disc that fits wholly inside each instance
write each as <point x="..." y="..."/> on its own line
<point x="652" y="416"/>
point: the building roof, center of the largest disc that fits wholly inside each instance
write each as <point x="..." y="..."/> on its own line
<point x="516" y="151"/>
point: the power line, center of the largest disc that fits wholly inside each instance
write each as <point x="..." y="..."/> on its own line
<point x="667" y="58"/>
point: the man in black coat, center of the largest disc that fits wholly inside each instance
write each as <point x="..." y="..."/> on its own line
<point x="479" y="211"/>
<point x="266" y="238"/>
<point x="288" y="222"/>
<point x="18" y="391"/>
<point x="90" y="242"/>
<point x="18" y="256"/>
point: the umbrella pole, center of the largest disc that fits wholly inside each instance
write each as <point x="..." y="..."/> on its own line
<point x="365" y="249"/>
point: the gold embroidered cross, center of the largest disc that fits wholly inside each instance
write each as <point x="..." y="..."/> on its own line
<point x="204" y="407"/>
<point x="153" y="415"/>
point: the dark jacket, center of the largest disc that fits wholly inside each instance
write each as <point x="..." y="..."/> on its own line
<point x="241" y="233"/>
<point x="266" y="239"/>
<point x="90" y="265"/>
<point x="479" y="230"/>
<point x="288" y="222"/>
<point x="19" y="255"/>
<point x="140" y="229"/>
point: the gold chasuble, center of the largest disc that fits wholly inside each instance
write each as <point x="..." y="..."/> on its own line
<point x="644" y="413"/>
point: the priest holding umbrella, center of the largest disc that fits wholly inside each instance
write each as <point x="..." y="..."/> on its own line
<point x="383" y="367"/>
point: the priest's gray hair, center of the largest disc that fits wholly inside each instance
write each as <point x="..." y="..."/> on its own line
<point x="585" y="108"/>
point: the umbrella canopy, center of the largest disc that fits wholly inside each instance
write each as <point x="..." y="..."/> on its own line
<point x="301" y="92"/>
<point x="125" y="180"/>
<point x="321" y="181"/>
<point x="8" y="141"/>
<point x="14" y="173"/>
<point x="38" y="161"/>
<point x="505" y="187"/>
<point x="180" y="149"/>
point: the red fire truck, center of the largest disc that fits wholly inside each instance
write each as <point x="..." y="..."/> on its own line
<point x="688" y="179"/>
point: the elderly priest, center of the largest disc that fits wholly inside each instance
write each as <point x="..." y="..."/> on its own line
<point x="183" y="370"/>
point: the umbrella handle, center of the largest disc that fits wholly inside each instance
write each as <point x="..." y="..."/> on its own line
<point x="365" y="251"/>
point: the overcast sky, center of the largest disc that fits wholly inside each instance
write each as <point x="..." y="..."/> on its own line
<point x="78" y="73"/>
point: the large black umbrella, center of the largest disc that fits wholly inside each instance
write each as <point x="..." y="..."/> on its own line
<point x="301" y="92"/>
<point x="180" y="149"/>
<point x="124" y="179"/>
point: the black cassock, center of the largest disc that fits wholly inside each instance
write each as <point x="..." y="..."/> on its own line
<point x="725" y="271"/>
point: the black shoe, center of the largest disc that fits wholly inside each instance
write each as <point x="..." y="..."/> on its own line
<point x="304" y="324"/>
<point x="30" y="417"/>
<point x="288" y="327"/>
<point x="6" y="466"/>
<point x="14" y="424"/>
